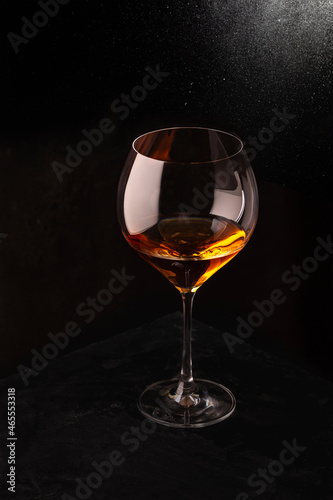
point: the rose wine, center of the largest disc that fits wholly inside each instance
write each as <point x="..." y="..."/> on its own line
<point x="188" y="250"/>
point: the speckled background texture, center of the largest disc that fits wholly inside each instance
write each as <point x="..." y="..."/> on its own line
<point x="233" y="65"/>
<point x="230" y="65"/>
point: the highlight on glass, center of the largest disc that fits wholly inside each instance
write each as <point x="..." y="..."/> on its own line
<point x="187" y="204"/>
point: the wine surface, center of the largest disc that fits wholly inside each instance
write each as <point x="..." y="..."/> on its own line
<point x="188" y="250"/>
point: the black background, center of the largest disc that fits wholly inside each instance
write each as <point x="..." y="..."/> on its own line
<point x="230" y="64"/>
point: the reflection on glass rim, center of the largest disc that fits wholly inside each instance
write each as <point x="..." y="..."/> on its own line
<point x="227" y="135"/>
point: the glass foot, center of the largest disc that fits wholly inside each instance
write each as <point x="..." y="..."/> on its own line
<point x="167" y="403"/>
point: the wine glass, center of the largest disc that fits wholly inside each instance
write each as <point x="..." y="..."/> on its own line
<point x="187" y="203"/>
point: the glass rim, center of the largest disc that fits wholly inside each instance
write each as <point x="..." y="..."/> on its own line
<point x="185" y="127"/>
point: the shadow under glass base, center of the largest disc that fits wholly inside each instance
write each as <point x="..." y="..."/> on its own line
<point x="167" y="403"/>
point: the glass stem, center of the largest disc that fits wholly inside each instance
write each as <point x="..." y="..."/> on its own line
<point x="186" y="371"/>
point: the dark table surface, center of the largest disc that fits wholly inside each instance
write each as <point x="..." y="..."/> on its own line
<point x="81" y="411"/>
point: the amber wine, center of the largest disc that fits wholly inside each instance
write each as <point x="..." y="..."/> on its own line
<point x="188" y="250"/>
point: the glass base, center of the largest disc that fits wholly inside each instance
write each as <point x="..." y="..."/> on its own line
<point x="205" y="403"/>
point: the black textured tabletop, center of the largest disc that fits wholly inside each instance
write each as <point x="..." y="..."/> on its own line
<point x="80" y="435"/>
<point x="80" y="81"/>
